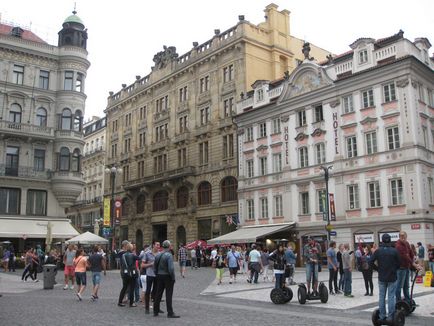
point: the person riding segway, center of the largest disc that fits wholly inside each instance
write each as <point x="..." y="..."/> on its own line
<point x="280" y="294"/>
<point x="386" y="261"/>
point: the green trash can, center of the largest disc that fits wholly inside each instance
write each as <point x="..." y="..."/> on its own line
<point x="49" y="271"/>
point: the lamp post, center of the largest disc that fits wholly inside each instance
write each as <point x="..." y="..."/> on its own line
<point x="113" y="172"/>
<point x="325" y="170"/>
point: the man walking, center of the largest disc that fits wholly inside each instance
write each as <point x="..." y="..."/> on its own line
<point x="182" y="258"/>
<point x="193" y="258"/>
<point x="233" y="262"/>
<point x="68" y="261"/>
<point x="346" y="262"/>
<point x="165" y="279"/>
<point x="96" y="263"/>
<point x="255" y="263"/>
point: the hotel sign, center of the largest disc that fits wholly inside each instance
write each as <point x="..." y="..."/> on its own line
<point x="335" y="132"/>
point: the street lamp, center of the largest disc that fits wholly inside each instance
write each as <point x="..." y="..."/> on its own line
<point x="113" y="172"/>
<point x="325" y="170"/>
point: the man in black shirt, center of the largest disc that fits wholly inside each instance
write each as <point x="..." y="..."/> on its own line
<point x="96" y="263"/>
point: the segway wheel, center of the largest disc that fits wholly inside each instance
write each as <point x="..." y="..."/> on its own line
<point x="399" y="318"/>
<point x="277" y="296"/>
<point x="324" y="294"/>
<point x="376" y="317"/>
<point x="287" y="294"/>
<point x="413" y="306"/>
<point x="302" y="295"/>
<point x="404" y="307"/>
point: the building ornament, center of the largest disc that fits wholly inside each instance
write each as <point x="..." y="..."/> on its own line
<point x="317" y="132"/>
<point x="284" y="118"/>
<point x="334" y="103"/>
<point x="301" y="136"/>
<point x="162" y="58"/>
<point x="402" y="83"/>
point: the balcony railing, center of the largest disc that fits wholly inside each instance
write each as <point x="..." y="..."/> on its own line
<point x="23" y="172"/>
<point x="69" y="133"/>
<point x="159" y="177"/>
<point x="26" y="129"/>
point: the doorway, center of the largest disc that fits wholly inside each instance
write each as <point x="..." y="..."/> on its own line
<point x="159" y="232"/>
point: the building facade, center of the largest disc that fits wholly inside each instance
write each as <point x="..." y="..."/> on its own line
<point x="368" y="115"/>
<point x="87" y="211"/>
<point x="42" y="101"/>
<point x="172" y="133"/>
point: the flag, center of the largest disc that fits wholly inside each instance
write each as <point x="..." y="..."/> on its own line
<point x="229" y="220"/>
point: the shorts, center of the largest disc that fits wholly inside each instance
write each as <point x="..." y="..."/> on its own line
<point x="80" y="278"/>
<point x="69" y="270"/>
<point x="96" y="278"/>
<point x="143" y="281"/>
<point x="182" y="263"/>
<point x="309" y="269"/>
<point x="233" y="270"/>
<point x="219" y="272"/>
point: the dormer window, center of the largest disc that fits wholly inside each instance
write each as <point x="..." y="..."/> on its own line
<point x="260" y="95"/>
<point x="363" y="56"/>
<point x="17" y="31"/>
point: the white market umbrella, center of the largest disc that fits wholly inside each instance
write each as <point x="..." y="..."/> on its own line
<point x="87" y="238"/>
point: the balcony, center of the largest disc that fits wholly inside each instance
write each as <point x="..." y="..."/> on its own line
<point x="67" y="186"/>
<point x="160" y="144"/>
<point x="182" y="137"/>
<point x="160" y="177"/>
<point x="26" y="130"/>
<point x="159" y="116"/>
<point x="84" y="202"/>
<point x="23" y="172"/>
<point x="69" y="134"/>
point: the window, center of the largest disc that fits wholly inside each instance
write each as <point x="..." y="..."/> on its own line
<point x="303" y="159"/>
<point x="319" y="116"/>
<point x="44" y="77"/>
<point x="353" y="197"/>
<point x="397" y="192"/>
<point x="142" y="139"/>
<point x="228" y="146"/>
<point x="79" y="83"/>
<point x="69" y="76"/>
<point x="140" y="204"/>
<point x="183" y="94"/>
<point x="204" y="84"/>
<point x="128" y="119"/>
<point x="160" y="163"/>
<point x="351" y="146"/>
<point x="141" y="169"/>
<point x="431" y="190"/>
<point x="260" y="95"/>
<point x="15" y="113"/>
<point x="114" y="150"/>
<point x="264" y="207"/>
<point x="39" y="160"/>
<point x="161" y="132"/>
<point x="78" y="121"/>
<point x="263" y="165"/>
<point x="162" y="104"/>
<point x="142" y="113"/>
<point x="368" y="98"/>
<point x="250" y="167"/>
<point x="36" y="202"/>
<point x="18" y="74"/>
<point x="183" y="124"/>
<point x="12" y="160"/>
<point x="278" y="206"/>
<point x="430" y="97"/>
<point x="204" y="116"/>
<point x="10" y="201"/>
<point x="321" y="200"/>
<point x="277" y="163"/>
<point x="75" y="161"/>
<point x="64" y="159"/>
<point x="425" y="136"/>
<point x="66" y="119"/>
<point x="393" y="138"/>
<point x="276" y="126"/>
<point x="127" y="145"/>
<point x="228" y="73"/>
<point x="41" y="117"/>
<point x="203" y="153"/>
<point x="249" y="134"/>
<point x="115" y="126"/>
<point x="363" y="56"/>
<point x="421" y="93"/>
<point x="182" y="157"/>
<point x="389" y="92"/>
<point x="250" y="209"/>
<point x="347" y="103"/>
<point x="262" y="130"/>
<point x="229" y="189"/>
<point x="204" y="193"/>
<point x="160" y="201"/>
<point x="301" y="118"/>
<point x="371" y="142"/>
<point x="228" y="107"/>
<point x="126" y="173"/>
<point x="320" y="155"/>
<point x="304" y="203"/>
<point x="182" y="197"/>
<point x="374" y="194"/>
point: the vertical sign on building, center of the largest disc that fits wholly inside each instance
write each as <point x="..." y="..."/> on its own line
<point x="332" y="207"/>
<point x="324" y="207"/>
<point x="118" y="206"/>
<point x="106" y="211"/>
<point x="335" y="132"/>
<point x="286" y="140"/>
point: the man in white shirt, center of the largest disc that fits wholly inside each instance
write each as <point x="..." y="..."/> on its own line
<point x="214" y="253"/>
<point x="193" y="258"/>
<point x="255" y="264"/>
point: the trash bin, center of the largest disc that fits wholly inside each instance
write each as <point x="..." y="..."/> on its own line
<point x="49" y="271"/>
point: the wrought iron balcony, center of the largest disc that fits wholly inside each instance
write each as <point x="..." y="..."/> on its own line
<point x="26" y="130"/>
<point x="23" y="172"/>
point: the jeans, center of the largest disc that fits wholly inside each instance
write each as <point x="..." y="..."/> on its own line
<point x="390" y="289"/>
<point x="402" y="283"/>
<point x="127" y="285"/>
<point x="254" y="272"/>
<point x="163" y="282"/>
<point x="347" y="282"/>
<point x="280" y="278"/>
<point x="311" y="269"/>
<point x="367" y="277"/>
<point x="431" y="266"/>
<point x="137" y="289"/>
<point x="333" y="279"/>
<point x="341" y="280"/>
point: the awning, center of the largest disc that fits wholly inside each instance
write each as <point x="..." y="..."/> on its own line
<point x="249" y="234"/>
<point x="26" y="227"/>
<point x="87" y="238"/>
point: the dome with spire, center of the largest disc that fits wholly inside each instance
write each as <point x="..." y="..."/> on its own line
<point x="73" y="19"/>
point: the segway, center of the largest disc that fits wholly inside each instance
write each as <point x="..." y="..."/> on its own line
<point x="303" y="295"/>
<point x="405" y="306"/>
<point x="281" y="296"/>
<point x="397" y="320"/>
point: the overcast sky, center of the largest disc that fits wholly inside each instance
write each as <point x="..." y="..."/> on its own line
<point x="125" y="35"/>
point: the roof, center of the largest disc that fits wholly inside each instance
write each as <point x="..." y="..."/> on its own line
<point x="73" y="19"/>
<point x="26" y="35"/>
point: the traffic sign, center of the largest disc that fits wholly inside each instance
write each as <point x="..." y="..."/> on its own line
<point x="333" y="233"/>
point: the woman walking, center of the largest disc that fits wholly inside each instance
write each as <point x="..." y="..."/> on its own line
<point x="367" y="270"/>
<point x="80" y="263"/>
<point x="219" y="262"/>
<point x="278" y="257"/>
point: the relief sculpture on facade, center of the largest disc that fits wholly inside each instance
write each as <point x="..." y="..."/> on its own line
<point x="162" y="58"/>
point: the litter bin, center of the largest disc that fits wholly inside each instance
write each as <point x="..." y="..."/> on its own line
<point x="49" y="275"/>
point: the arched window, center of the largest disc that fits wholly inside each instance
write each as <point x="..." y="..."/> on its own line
<point x="159" y="202"/>
<point x="64" y="159"/>
<point x="15" y="113"/>
<point x="75" y="162"/>
<point x="66" y="119"/>
<point x="78" y="119"/>
<point x="182" y="197"/>
<point x="204" y="193"/>
<point x="140" y="204"/>
<point x="229" y="189"/>
<point x="41" y="117"/>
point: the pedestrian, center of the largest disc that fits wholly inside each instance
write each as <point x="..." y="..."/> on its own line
<point x="12" y="259"/>
<point x="332" y="264"/>
<point x="358" y="256"/>
<point x="96" y="264"/>
<point x="28" y="258"/>
<point x="421" y="256"/>
<point x="311" y="255"/>
<point x="415" y="260"/>
<point x="199" y="254"/>
<point x="291" y="259"/>
<point x="431" y="257"/>
<point x="367" y="270"/>
<point x="69" y="271"/>
<point x="33" y="270"/>
<point x="279" y="262"/>
<point x="347" y="263"/>
<point x="255" y="264"/>
<point x="142" y="271"/>
<point x="165" y="280"/>
<point x="341" y="267"/>
<point x="193" y="258"/>
<point x="6" y="254"/>
<point x="129" y="274"/>
<point x="243" y="260"/>
<point x="265" y="263"/>
<point x="388" y="262"/>
<point x="80" y="264"/>
<point x="182" y="258"/>
<point x="233" y="262"/>
<point x="214" y="252"/>
<point x="148" y="263"/>
<point x="219" y="263"/>
<point x="137" y="278"/>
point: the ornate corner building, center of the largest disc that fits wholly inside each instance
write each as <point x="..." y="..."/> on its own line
<point x="173" y="135"/>
<point x="42" y="101"/>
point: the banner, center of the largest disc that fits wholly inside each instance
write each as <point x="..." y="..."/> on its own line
<point x="107" y="211"/>
<point x="332" y="208"/>
<point x="324" y="208"/>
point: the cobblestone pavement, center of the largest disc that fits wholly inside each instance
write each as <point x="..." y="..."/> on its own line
<point x="197" y="298"/>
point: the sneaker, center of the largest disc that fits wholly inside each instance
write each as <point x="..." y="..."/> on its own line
<point x="366" y="294"/>
<point x="36" y="281"/>
<point x="79" y="296"/>
<point x="133" y="305"/>
<point x="92" y="297"/>
<point x="332" y="293"/>
<point x="230" y="282"/>
<point x="349" y="295"/>
<point x="338" y="292"/>
<point x="65" y="287"/>
<point x="71" y="287"/>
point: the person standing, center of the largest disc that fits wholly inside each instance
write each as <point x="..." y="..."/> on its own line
<point x="431" y="257"/>
<point x="279" y="261"/>
<point x="255" y="264"/>
<point x="311" y="255"/>
<point x="233" y="262"/>
<point x="129" y="275"/>
<point x="421" y="256"/>
<point x="332" y="264"/>
<point x="96" y="263"/>
<point x="80" y="264"/>
<point x="387" y="259"/>
<point x="182" y="258"/>
<point x="6" y="254"/>
<point x="367" y="270"/>
<point x="199" y="254"/>
<point x="165" y="280"/>
<point x="219" y="263"/>
<point x="214" y="252"/>
<point x="265" y="263"/>
<point x="148" y="263"/>
<point x="346" y="262"/>
<point x="12" y="258"/>
<point x="291" y="259"/>
<point x="341" y="267"/>
<point x="69" y="271"/>
<point x="193" y="258"/>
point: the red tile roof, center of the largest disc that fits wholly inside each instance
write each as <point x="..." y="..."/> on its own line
<point x="27" y="35"/>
